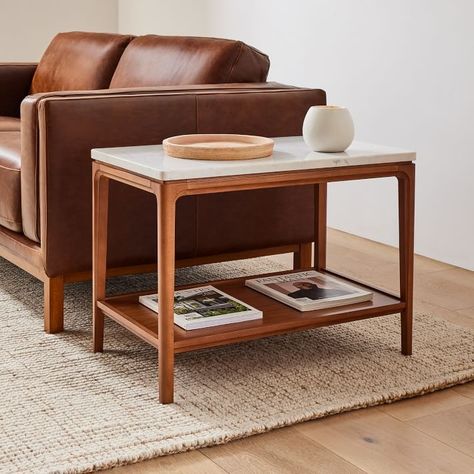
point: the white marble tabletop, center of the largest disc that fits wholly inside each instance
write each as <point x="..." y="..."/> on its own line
<point x="289" y="154"/>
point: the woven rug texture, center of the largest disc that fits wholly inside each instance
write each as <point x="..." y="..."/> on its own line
<point x="65" y="409"/>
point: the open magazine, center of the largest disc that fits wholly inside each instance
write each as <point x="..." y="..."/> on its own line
<point x="309" y="290"/>
<point x="204" y="307"/>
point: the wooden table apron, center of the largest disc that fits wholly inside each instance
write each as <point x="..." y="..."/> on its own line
<point x="168" y="192"/>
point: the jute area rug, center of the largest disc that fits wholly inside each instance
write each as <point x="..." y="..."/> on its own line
<point x="65" y="409"/>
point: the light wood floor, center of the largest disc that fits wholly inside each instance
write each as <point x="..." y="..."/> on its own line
<point x="429" y="434"/>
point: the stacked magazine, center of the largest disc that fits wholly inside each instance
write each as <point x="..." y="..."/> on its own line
<point x="309" y="290"/>
<point x="204" y="307"/>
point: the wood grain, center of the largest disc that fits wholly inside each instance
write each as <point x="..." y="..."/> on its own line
<point x="303" y="257"/>
<point x="100" y="204"/>
<point x="283" y="451"/>
<point x="278" y="318"/>
<point x="453" y="427"/>
<point x="377" y="442"/>
<point x="54" y="304"/>
<point x="218" y="147"/>
<point x="192" y="462"/>
<point x="425" y="405"/>
<point x="467" y="390"/>
<point x="453" y="289"/>
<point x="406" y="229"/>
<point x="166" y="205"/>
<point x="320" y="226"/>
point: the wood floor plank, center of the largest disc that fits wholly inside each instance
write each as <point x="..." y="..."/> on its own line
<point x="460" y="276"/>
<point x="428" y="265"/>
<point x="378" y="443"/>
<point x="378" y="251"/>
<point x="451" y="289"/>
<point x="375" y="250"/>
<point x="466" y="389"/>
<point x="468" y="312"/>
<point x="455" y="317"/>
<point x="280" y="452"/>
<point x="426" y="405"/>
<point x="357" y="265"/>
<point x="191" y="462"/>
<point x="453" y="427"/>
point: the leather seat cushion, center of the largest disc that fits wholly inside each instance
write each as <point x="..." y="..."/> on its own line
<point x="153" y="60"/>
<point x="10" y="165"/>
<point x="79" y="61"/>
<point x="9" y="124"/>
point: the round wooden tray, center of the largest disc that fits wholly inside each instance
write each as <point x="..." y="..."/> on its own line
<point x="218" y="147"/>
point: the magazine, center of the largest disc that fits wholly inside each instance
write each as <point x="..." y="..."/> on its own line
<point x="204" y="307"/>
<point x="309" y="290"/>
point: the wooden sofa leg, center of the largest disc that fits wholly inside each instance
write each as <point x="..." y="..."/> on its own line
<point x="304" y="257"/>
<point x="54" y="304"/>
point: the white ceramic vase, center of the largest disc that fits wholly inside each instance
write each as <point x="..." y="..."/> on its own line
<point x="328" y="128"/>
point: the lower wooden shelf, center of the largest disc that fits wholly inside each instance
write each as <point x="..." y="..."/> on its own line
<point x="278" y="318"/>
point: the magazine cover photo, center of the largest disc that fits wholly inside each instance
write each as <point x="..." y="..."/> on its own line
<point x="312" y="288"/>
<point x="309" y="290"/>
<point x="206" y="304"/>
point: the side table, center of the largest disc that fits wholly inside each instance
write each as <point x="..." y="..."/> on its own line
<point x="150" y="169"/>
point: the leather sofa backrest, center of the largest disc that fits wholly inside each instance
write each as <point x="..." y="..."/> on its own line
<point x="79" y="61"/>
<point x="153" y="60"/>
<point x="64" y="185"/>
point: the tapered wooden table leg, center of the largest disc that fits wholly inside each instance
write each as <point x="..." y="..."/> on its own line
<point x="406" y="211"/>
<point x="99" y="246"/>
<point x="54" y="305"/>
<point x="166" y="268"/>
<point x="304" y="257"/>
<point x="320" y="223"/>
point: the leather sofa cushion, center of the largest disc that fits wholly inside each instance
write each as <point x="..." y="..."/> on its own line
<point x="9" y="124"/>
<point x="153" y="60"/>
<point x="10" y="199"/>
<point x="79" y="61"/>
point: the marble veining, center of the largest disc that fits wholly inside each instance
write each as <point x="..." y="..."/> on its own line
<point x="290" y="153"/>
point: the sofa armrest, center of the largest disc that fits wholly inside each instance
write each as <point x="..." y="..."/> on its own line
<point x="15" y="83"/>
<point x="60" y="129"/>
<point x="108" y="101"/>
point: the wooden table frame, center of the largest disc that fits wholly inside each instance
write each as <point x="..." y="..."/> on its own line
<point x="168" y="192"/>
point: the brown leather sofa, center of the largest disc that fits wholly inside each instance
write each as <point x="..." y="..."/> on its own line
<point x="95" y="90"/>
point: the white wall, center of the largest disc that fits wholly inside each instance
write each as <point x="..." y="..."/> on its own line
<point x="406" y="71"/>
<point x="27" y="26"/>
<point x="163" y="17"/>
